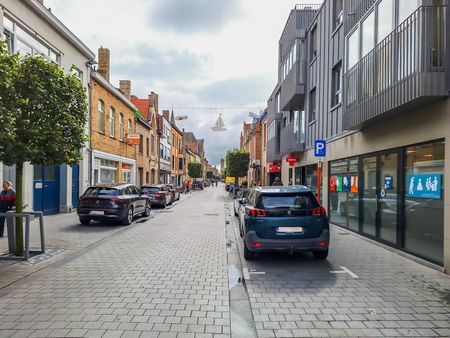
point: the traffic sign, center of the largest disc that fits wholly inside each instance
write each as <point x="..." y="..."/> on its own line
<point x="320" y="148"/>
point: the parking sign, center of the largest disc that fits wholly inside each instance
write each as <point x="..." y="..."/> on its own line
<point x="320" y="148"/>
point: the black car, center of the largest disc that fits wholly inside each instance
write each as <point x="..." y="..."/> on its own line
<point x="158" y="194"/>
<point x="174" y="192"/>
<point x="242" y="193"/>
<point x="113" y="202"/>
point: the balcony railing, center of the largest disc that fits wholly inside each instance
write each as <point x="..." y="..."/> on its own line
<point x="408" y="65"/>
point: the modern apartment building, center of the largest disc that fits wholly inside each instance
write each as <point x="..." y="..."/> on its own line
<point x="371" y="77"/>
<point x="165" y="147"/>
<point x="32" y="29"/>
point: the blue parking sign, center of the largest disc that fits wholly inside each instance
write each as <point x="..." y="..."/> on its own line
<point x="320" y="148"/>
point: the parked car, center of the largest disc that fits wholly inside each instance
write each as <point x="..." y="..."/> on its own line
<point x="113" y="202"/>
<point x="242" y="194"/>
<point x="158" y="194"/>
<point x="175" y="193"/>
<point x="197" y="185"/>
<point x="285" y="218"/>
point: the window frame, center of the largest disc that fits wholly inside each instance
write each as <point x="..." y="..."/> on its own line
<point x="101" y="116"/>
<point x="112" y="122"/>
<point x="121" y="133"/>
<point x="336" y="93"/>
<point x="312" y="112"/>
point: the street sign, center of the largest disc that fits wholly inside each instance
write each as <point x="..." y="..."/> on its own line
<point x="320" y="148"/>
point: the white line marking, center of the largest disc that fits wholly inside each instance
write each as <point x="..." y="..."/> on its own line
<point x="257" y="272"/>
<point x="345" y="270"/>
<point x="354" y="275"/>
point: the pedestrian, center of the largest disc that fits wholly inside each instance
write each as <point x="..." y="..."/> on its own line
<point x="277" y="182"/>
<point x="188" y="186"/>
<point x="7" y="202"/>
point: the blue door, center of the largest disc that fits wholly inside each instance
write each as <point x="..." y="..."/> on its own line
<point x="46" y="189"/>
<point x="75" y="185"/>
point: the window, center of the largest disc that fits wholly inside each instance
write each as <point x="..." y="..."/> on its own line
<point x="161" y="150"/>
<point x="141" y="144"/>
<point x="112" y="122"/>
<point x="405" y="9"/>
<point x="152" y="142"/>
<point x="353" y="49"/>
<point x="148" y="147"/>
<point x="314" y="42"/>
<point x="312" y="105"/>
<point x="76" y="72"/>
<point x="271" y="131"/>
<point x="385" y="19"/>
<point x="336" y="85"/>
<point x="338" y="13"/>
<point x="368" y="34"/>
<point x="101" y="116"/>
<point x="121" y="126"/>
<point x="291" y="116"/>
<point x="129" y="127"/>
<point x="278" y="104"/>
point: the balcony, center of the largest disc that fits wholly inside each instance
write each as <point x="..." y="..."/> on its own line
<point x="293" y="87"/>
<point x="409" y="68"/>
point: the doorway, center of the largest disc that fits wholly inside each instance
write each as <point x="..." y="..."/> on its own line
<point x="46" y="189"/>
<point x="380" y="196"/>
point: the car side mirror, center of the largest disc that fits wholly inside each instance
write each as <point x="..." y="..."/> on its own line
<point x="242" y="201"/>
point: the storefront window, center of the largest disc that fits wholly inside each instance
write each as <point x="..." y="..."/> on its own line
<point x="108" y="171"/>
<point x="343" y="193"/>
<point x="424" y="200"/>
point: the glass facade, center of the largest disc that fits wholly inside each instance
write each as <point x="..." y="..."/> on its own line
<point x="395" y="196"/>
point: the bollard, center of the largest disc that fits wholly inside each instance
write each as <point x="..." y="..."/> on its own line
<point x="11" y="226"/>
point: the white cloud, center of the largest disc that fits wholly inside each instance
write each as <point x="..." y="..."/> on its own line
<point x="211" y="53"/>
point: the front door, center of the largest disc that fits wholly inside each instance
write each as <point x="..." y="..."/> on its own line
<point x="75" y="185"/>
<point x="46" y="189"/>
<point x="379" y="196"/>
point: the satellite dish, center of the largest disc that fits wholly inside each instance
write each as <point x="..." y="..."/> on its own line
<point x="219" y="125"/>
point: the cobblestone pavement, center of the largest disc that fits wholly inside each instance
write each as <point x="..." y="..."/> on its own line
<point x="64" y="235"/>
<point x="296" y="296"/>
<point x="165" y="277"/>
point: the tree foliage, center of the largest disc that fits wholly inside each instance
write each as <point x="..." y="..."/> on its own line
<point x="195" y="170"/>
<point x="237" y="163"/>
<point x="43" y="114"/>
<point x="209" y="174"/>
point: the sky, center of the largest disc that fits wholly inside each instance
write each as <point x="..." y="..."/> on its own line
<point x="215" y="54"/>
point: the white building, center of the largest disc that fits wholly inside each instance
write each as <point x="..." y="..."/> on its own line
<point x="165" y="151"/>
<point x="33" y="29"/>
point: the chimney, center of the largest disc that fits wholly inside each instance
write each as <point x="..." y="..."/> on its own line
<point x="125" y="88"/>
<point x="103" y="62"/>
<point x="153" y="97"/>
<point x="166" y="114"/>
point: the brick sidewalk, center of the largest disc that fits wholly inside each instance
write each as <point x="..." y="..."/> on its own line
<point x="167" y="276"/>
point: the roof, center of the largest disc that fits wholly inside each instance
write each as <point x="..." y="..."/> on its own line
<point x="105" y="83"/>
<point x="283" y="189"/>
<point x="111" y="185"/>
<point x="142" y="105"/>
<point x="42" y="11"/>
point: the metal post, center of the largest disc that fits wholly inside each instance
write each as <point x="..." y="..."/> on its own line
<point x="319" y="166"/>
<point x="41" y="228"/>
<point x="11" y="226"/>
<point x="27" y="237"/>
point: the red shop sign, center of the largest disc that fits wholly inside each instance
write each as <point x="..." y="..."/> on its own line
<point x="274" y="167"/>
<point x="291" y="159"/>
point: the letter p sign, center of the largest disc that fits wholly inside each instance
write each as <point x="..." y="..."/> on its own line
<point x="320" y="148"/>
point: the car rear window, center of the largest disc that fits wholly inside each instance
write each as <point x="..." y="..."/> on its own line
<point x="150" y="189"/>
<point x="102" y="192"/>
<point x="288" y="201"/>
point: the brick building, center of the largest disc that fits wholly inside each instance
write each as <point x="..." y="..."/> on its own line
<point x="177" y="173"/>
<point x="112" y="120"/>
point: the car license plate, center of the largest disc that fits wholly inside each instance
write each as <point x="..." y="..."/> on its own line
<point x="95" y="212"/>
<point x="289" y="230"/>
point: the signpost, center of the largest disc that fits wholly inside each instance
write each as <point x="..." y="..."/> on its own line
<point x="320" y="151"/>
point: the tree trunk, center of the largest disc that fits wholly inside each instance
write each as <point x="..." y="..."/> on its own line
<point x="19" y="209"/>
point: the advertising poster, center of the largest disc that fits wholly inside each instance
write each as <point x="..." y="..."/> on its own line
<point x="354" y="184"/>
<point x="346" y="184"/>
<point x="424" y="186"/>
<point x="339" y="183"/>
<point x="333" y="183"/>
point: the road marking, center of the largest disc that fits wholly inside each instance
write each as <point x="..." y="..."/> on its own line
<point x="257" y="272"/>
<point x="345" y="270"/>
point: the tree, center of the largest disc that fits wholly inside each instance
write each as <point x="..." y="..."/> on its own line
<point x="43" y="115"/>
<point x="209" y="174"/>
<point x="237" y="164"/>
<point x="195" y="170"/>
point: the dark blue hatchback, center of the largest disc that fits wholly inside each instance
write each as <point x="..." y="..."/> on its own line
<point x="285" y="219"/>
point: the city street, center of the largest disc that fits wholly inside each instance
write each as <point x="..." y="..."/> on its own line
<point x="178" y="274"/>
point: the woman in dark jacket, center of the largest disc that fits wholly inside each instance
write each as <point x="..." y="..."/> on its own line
<point x="7" y="202"/>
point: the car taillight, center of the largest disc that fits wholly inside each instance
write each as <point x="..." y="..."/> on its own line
<point x="117" y="200"/>
<point x="158" y="194"/>
<point x="319" y="211"/>
<point x="256" y="212"/>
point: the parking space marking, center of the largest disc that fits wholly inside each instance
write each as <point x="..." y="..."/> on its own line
<point x="347" y="271"/>
<point x="246" y="274"/>
<point x="257" y="272"/>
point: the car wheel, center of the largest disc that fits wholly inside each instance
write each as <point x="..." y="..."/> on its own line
<point x="235" y="213"/>
<point x="164" y="203"/>
<point x="241" y="232"/>
<point x="147" y="211"/>
<point x="323" y="254"/>
<point x="248" y="255"/>
<point x="128" y="217"/>
<point x="85" y="220"/>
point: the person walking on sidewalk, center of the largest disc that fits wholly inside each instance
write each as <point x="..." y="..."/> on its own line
<point x="188" y="186"/>
<point x="7" y="202"/>
<point x="277" y="182"/>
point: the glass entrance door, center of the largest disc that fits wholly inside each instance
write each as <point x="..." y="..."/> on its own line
<point x="380" y="195"/>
